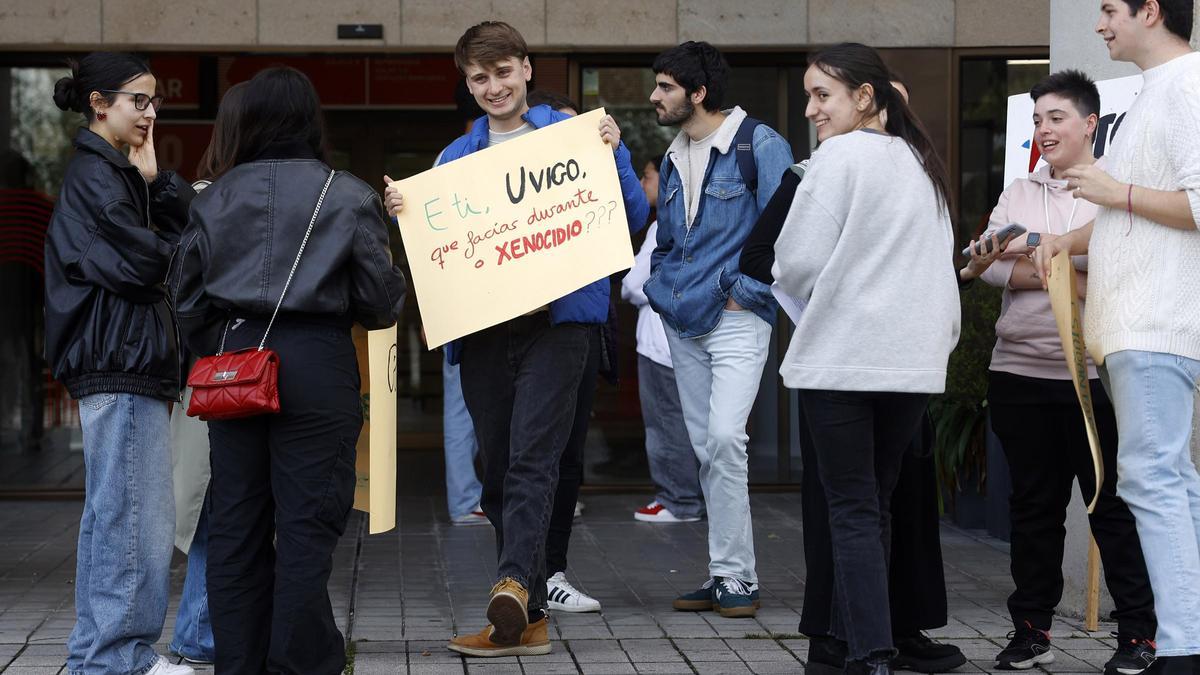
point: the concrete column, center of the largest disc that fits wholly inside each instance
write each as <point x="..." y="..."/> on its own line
<point x="1074" y="44"/>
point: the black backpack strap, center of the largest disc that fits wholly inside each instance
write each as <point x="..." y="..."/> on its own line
<point x="743" y="147"/>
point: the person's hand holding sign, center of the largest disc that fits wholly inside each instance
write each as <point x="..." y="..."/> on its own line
<point x="392" y="199"/>
<point x="609" y="131"/>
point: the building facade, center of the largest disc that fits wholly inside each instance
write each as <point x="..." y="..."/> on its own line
<point x="389" y="109"/>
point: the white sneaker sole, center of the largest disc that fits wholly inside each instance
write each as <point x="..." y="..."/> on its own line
<point x="582" y="608"/>
<point x="519" y="650"/>
<point x="646" y="518"/>
<point x="1047" y="657"/>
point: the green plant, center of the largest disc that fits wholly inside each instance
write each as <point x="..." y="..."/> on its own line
<point x="960" y="414"/>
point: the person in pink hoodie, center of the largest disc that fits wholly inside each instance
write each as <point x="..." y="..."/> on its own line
<point x="1034" y="410"/>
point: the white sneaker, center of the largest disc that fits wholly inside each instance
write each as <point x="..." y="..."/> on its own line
<point x="657" y="513"/>
<point x="475" y="517"/>
<point x="578" y="509"/>
<point x="563" y="597"/>
<point x="165" y="667"/>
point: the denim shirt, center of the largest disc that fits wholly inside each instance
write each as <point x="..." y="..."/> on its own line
<point x="694" y="270"/>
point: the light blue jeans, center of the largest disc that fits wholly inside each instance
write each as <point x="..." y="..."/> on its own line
<point x="717" y="376"/>
<point x="463" y="489"/>
<point x="1153" y="395"/>
<point x="193" y="637"/>
<point x="126" y="535"/>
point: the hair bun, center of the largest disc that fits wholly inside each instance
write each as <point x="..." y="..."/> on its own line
<point x="65" y="95"/>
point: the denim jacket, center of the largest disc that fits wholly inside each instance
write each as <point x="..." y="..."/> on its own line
<point x="694" y="270"/>
<point x="590" y="303"/>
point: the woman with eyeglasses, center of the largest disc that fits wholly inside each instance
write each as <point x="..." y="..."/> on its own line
<point x="111" y="340"/>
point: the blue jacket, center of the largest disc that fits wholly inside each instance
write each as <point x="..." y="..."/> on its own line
<point x="694" y="270"/>
<point x="590" y="303"/>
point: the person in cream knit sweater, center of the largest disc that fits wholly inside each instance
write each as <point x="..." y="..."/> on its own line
<point x="868" y="244"/>
<point x="1143" y="314"/>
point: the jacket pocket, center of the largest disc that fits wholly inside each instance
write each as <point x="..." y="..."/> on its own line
<point x="725" y="189"/>
<point x="339" y="490"/>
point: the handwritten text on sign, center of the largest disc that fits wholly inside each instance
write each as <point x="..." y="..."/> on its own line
<point x="506" y="230"/>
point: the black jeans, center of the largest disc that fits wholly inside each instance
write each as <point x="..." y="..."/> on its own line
<point x="520" y="380"/>
<point x="1040" y="425"/>
<point x="290" y="478"/>
<point x="570" y="467"/>
<point x="916" y="580"/>
<point x="859" y="440"/>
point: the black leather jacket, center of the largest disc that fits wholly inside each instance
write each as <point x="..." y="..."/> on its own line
<point x="243" y="234"/>
<point x="109" y="327"/>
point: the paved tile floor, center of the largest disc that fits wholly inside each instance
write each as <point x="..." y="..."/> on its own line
<point x="400" y="595"/>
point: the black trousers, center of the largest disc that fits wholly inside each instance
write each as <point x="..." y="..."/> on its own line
<point x="859" y="441"/>
<point x="570" y="467"/>
<point x="520" y="380"/>
<point x="290" y="478"/>
<point x="916" y="579"/>
<point x="1040" y="425"/>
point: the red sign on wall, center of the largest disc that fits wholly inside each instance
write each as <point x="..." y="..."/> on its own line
<point x="423" y="81"/>
<point x="340" y="81"/>
<point x="178" y="79"/>
<point x="179" y="145"/>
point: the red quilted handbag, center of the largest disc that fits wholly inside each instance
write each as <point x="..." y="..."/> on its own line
<point x="233" y="385"/>
<point x="245" y="382"/>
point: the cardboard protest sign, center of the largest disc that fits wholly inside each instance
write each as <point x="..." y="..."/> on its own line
<point x="375" y="466"/>
<point x="506" y="230"/>
<point x="1064" y="300"/>
<point x="1021" y="156"/>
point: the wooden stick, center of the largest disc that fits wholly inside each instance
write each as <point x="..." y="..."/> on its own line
<point x="1091" y="616"/>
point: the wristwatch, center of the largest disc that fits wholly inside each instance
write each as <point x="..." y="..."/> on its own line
<point x="1033" y="239"/>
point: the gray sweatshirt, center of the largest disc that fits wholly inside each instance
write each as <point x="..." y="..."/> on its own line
<point x="870" y="247"/>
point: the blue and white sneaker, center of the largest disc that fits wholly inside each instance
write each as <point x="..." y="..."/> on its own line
<point x="734" y="598"/>
<point x="699" y="600"/>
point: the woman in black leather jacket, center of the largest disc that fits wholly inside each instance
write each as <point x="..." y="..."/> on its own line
<point x="288" y="476"/>
<point x="111" y="340"/>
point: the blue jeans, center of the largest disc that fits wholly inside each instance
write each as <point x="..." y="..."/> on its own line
<point x="126" y="535"/>
<point x="673" y="465"/>
<point x="463" y="489"/>
<point x="193" y="629"/>
<point x="717" y="376"/>
<point x="1153" y="395"/>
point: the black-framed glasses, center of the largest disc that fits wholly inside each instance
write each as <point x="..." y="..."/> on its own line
<point x="140" y="100"/>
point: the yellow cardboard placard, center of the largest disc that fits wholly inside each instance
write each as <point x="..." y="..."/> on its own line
<point x="1064" y="300"/>
<point x="506" y="230"/>
<point x="375" y="467"/>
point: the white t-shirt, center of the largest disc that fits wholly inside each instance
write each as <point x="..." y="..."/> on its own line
<point x="698" y="155"/>
<point x="498" y="137"/>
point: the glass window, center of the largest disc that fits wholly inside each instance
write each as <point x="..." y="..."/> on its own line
<point x="986" y="84"/>
<point x="41" y="445"/>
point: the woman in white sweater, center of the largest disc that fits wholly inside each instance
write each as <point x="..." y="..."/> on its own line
<point x="869" y="245"/>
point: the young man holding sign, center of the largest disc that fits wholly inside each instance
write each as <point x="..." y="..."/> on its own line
<point x="718" y="174"/>
<point x="1143" y="316"/>
<point x="520" y="378"/>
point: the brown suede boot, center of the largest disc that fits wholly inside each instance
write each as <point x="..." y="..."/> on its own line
<point x="534" y="642"/>
<point x="508" y="611"/>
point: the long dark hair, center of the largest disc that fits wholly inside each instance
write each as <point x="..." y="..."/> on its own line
<point x="854" y="65"/>
<point x="219" y="156"/>
<point x="96" y="72"/>
<point x="279" y="107"/>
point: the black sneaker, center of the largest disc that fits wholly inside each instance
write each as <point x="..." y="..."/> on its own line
<point x="1027" y="647"/>
<point x="919" y="653"/>
<point x="826" y="655"/>
<point x="1134" y="656"/>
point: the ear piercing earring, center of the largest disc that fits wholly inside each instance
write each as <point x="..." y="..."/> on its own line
<point x="101" y="116"/>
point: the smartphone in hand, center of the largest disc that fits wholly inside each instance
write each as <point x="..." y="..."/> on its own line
<point x="1005" y="235"/>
